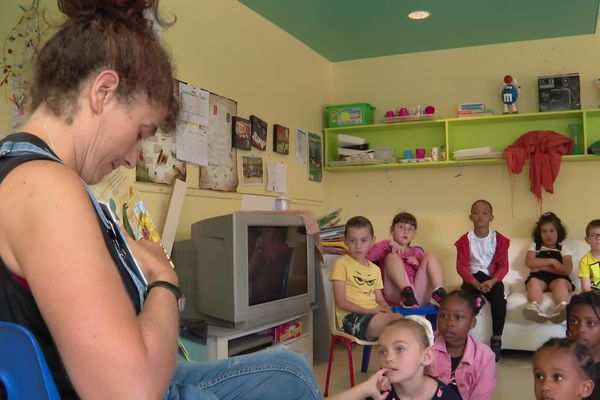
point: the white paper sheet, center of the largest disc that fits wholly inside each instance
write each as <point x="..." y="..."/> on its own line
<point x="301" y="147"/>
<point x="194" y="104"/>
<point x="192" y="144"/>
<point x="277" y="177"/>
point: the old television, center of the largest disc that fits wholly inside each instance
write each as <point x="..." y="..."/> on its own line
<point x="246" y="269"/>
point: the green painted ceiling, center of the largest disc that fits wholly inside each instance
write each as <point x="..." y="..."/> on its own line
<point x="351" y="29"/>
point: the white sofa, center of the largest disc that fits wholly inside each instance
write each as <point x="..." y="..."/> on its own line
<point x="520" y="333"/>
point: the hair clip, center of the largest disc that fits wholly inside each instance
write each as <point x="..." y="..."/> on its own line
<point x="424" y="322"/>
<point x="478" y="302"/>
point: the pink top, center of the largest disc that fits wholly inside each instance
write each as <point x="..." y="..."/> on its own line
<point x="475" y="375"/>
<point x="381" y="249"/>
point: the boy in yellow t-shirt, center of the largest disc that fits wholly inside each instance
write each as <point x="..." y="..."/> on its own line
<point x="360" y="308"/>
<point x="589" y="267"/>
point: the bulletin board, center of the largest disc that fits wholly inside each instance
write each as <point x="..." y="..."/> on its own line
<point x="221" y="172"/>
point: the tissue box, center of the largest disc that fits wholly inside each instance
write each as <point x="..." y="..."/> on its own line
<point x="286" y="331"/>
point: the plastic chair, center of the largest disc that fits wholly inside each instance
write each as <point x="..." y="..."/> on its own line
<point x="23" y="369"/>
<point x="338" y="336"/>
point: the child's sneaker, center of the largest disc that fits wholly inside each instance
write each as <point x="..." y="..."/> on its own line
<point x="496" y="346"/>
<point x="560" y="313"/>
<point x="533" y="311"/>
<point x="437" y="296"/>
<point x="408" y="298"/>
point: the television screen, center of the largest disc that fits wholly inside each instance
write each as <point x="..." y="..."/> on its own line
<point x="277" y="264"/>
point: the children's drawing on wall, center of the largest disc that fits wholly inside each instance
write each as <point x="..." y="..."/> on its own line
<point x="301" y="146"/>
<point x="252" y="170"/>
<point x="157" y="161"/>
<point x="281" y="139"/>
<point x="315" y="157"/>
<point x="241" y="133"/>
<point x="19" y="49"/>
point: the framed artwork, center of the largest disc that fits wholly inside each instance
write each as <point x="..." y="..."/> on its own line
<point x="315" y="156"/>
<point x="259" y="132"/>
<point x="252" y="170"/>
<point x="281" y="139"/>
<point x="241" y="133"/>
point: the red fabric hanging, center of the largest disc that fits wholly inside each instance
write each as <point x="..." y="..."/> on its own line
<point x="544" y="149"/>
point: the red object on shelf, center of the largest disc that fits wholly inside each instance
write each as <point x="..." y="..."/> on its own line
<point x="286" y="331"/>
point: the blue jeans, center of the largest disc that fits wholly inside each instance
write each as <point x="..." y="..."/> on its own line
<point x="271" y="374"/>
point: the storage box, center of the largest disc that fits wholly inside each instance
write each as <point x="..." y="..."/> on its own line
<point x="286" y="331"/>
<point x="559" y="92"/>
<point x="350" y="114"/>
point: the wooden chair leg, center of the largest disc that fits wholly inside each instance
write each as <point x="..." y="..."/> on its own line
<point x="333" y="342"/>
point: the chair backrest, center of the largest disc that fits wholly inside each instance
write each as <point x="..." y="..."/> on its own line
<point x="23" y="369"/>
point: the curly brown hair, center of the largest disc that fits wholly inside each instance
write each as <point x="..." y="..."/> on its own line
<point x="106" y="34"/>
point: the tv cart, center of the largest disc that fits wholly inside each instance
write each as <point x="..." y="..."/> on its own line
<point x="223" y="342"/>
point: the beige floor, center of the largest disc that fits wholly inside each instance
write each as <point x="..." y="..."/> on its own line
<point x="514" y="377"/>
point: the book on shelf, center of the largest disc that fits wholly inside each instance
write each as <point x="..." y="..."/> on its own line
<point x="475" y="113"/>
<point x="327" y="219"/>
<point x="364" y="146"/>
<point x="343" y="151"/>
<point x="471" y="106"/>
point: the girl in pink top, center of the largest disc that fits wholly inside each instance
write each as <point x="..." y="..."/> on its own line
<point x="410" y="276"/>
<point x="461" y="361"/>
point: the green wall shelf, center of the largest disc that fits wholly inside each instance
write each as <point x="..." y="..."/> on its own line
<point x="463" y="133"/>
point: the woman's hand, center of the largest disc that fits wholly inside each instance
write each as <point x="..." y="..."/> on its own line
<point x="153" y="259"/>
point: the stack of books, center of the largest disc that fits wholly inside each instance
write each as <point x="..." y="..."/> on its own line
<point x="332" y="234"/>
<point x="466" y="110"/>
<point x="353" y="148"/>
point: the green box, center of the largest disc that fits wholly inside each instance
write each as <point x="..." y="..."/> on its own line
<point x="350" y="115"/>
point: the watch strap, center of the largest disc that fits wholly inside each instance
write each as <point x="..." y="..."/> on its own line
<point x="170" y="287"/>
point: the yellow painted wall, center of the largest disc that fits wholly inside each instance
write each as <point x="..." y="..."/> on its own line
<point x="224" y="47"/>
<point x="439" y="199"/>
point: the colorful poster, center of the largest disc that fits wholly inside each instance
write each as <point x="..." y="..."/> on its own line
<point x="157" y="160"/>
<point x="252" y="170"/>
<point x="315" y="157"/>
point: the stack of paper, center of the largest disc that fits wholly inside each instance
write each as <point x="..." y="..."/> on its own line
<point x="477" y="152"/>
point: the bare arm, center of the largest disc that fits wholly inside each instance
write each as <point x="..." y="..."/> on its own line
<point x="51" y="237"/>
<point x="339" y="294"/>
<point x="376" y="387"/>
<point x="385" y="307"/>
<point x="539" y="264"/>
<point x="586" y="284"/>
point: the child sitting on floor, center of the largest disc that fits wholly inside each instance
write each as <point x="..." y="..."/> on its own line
<point x="550" y="266"/>
<point x="404" y="353"/>
<point x="410" y="276"/>
<point x="360" y="308"/>
<point x="460" y="361"/>
<point x="583" y="325"/>
<point x="563" y="369"/>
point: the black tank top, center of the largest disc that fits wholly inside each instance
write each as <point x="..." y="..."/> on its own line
<point x="16" y="301"/>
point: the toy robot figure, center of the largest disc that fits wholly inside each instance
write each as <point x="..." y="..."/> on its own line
<point x="510" y="93"/>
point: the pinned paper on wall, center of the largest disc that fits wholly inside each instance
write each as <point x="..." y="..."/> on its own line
<point x="252" y="170"/>
<point x="192" y="143"/>
<point x="315" y="157"/>
<point x="277" y="177"/>
<point x="194" y="104"/>
<point x="301" y="146"/>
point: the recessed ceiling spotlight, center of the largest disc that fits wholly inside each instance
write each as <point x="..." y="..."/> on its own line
<point x="419" y="14"/>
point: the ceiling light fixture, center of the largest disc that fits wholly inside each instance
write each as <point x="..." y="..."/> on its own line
<point x="419" y="14"/>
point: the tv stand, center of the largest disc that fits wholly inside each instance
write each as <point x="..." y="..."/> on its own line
<point x="224" y="342"/>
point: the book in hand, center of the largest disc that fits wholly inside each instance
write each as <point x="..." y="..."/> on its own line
<point x="121" y="243"/>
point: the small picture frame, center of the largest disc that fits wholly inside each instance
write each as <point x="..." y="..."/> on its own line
<point x="281" y="139"/>
<point x="242" y="132"/>
<point x="259" y="132"/>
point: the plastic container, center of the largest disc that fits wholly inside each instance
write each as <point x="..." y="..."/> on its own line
<point x="384" y="153"/>
<point x="350" y="115"/>
<point x="576" y="131"/>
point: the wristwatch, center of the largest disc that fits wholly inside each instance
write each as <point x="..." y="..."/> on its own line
<point x="170" y="287"/>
